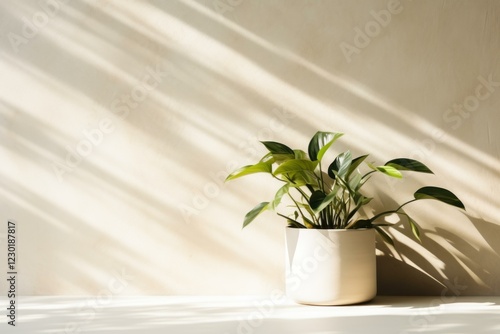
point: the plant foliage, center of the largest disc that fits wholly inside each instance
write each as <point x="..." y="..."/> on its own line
<point x="331" y="197"/>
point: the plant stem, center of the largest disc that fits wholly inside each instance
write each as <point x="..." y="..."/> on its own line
<point x="302" y="193"/>
<point x="368" y="174"/>
<point x="297" y="205"/>
<point x="322" y="185"/>
<point x="282" y="215"/>
<point x="277" y="178"/>
<point x="391" y="211"/>
<point x="346" y="217"/>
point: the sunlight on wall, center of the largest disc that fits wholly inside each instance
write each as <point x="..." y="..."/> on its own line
<point x="119" y="124"/>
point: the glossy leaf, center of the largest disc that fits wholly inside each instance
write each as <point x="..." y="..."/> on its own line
<point x="440" y="194"/>
<point x="408" y="164"/>
<point x="362" y="200"/>
<point x="355" y="182"/>
<point x="306" y="207"/>
<point x="268" y="158"/>
<point x="414" y="228"/>
<point x="308" y="223"/>
<point x="300" y="179"/>
<point x="261" y="167"/>
<point x="391" y="171"/>
<point x="320" y="143"/>
<point x="352" y="213"/>
<point x="299" y="154"/>
<point x="316" y="199"/>
<point x="295" y="224"/>
<point x="340" y="166"/>
<point x="277" y="148"/>
<point x="281" y="158"/>
<point x="252" y="214"/>
<point x="279" y="195"/>
<point x="362" y="223"/>
<point x="296" y="165"/>
<point x="319" y="200"/>
<point x="355" y="164"/>
<point x="279" y="152"/>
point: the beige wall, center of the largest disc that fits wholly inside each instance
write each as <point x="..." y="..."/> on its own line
<point x="118" y="121"/>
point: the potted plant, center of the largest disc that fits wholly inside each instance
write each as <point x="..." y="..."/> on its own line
<point x="330" y="241"/>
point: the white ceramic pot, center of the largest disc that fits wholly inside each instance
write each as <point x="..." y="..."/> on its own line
<point x="330" y="267"/>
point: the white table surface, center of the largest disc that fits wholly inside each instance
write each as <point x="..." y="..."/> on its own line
<point x="251" y="315"/>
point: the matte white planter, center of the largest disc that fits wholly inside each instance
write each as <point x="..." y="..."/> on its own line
<point x="330" y="267"/>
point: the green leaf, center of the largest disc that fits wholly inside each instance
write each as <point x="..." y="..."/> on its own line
<point x="387" y="238"/>
<point x="279" y="195"/>
<point x="440" y="194"/>
<point x="362" y="200"/>
<point x="296" y="165"/>
<point x="319" y="200"/>
<point x="277" y="148"/>
<point x="355" y="182"/>
<point x="320" y="143"/>
<point x="300" y="179"/>
<point x="307" y="207"/>
<point x="340" y="166"/>
<point x="352" y="213"/>
<point x="414" y="228"/>
<point x="279" y="152"/>
<point x="308" y="223"/>
<point x="299" y="154"/>
<point x="316" y="199"/>
<point x="362" y="223"/>
<point x="252" y="214"/>
<point x="268" y="158"/>
<point x="261" y="167"/>
<point x="408" y="164"/>
<point x="391" y="171"/>
<point x="294" y="223"/>
<point x="355" y="163"/>
<point x="281" y="158"/>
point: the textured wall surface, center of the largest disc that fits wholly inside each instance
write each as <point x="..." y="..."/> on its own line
<point x="120" y="119"/>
